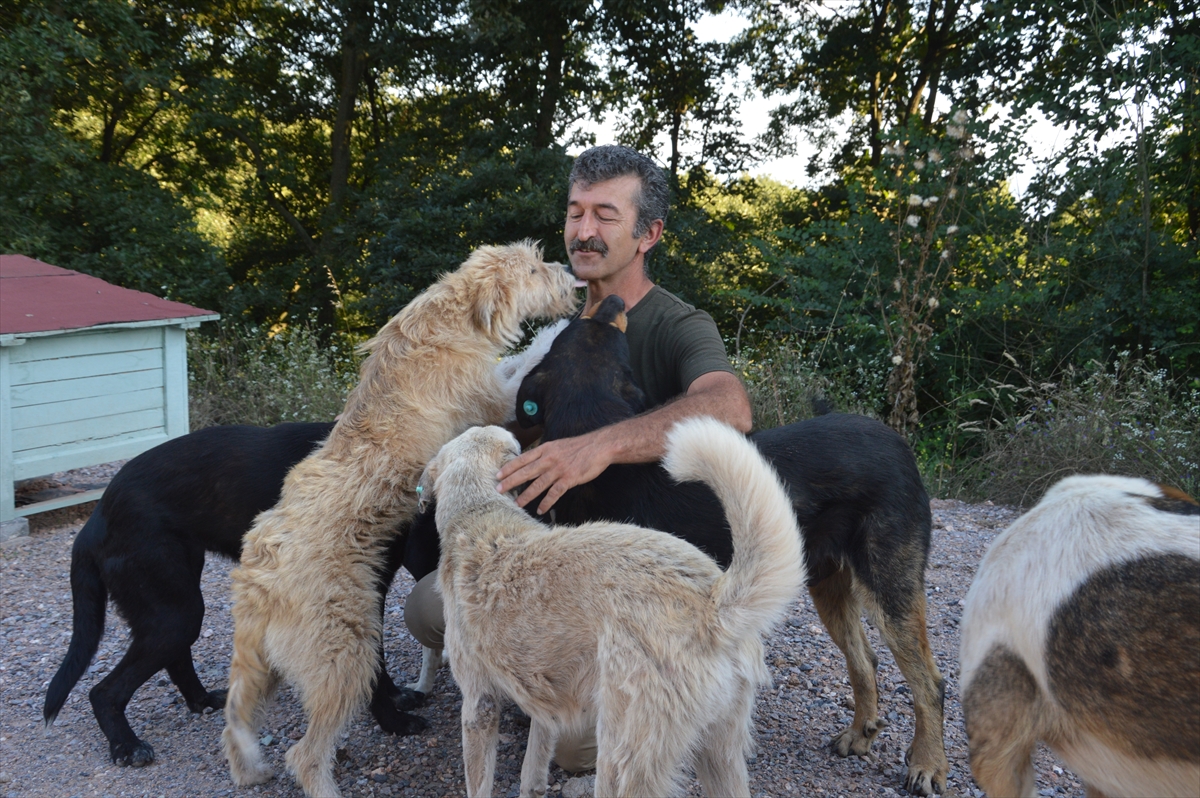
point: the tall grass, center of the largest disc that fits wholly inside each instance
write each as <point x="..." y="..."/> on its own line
<point x="245" y="375"/>
<point x="1126" y="418"/>
<point x="783" y="379"/>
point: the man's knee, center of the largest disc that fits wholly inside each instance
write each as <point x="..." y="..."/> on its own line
<point x="423" y="613"/>
<point x="576" y="751"/>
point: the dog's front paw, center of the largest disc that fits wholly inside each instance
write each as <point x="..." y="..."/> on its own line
<point x="405" y="699"/>
<point x="213" y="700"/>
<point x="857" y="739"/>
<point x="393" y="721"/>
<point x="137" y="754"/>
<point x="925" y="779"/>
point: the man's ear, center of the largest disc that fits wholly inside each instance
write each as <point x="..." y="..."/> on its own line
<point x="651" y="237"/>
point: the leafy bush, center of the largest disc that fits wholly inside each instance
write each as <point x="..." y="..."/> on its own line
<point x="784" y="378"/>
<point x="1130" y="419"/>
<point x="245" y="375"/>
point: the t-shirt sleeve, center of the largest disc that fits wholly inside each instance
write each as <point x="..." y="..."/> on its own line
<point x="697" y="347"/>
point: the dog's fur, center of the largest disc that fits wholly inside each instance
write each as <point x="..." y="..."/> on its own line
<point x="305" y="590"/>
<point x="1082" y="629"/>
<point x="144" y="547"/>
<point x="633" y="627"/>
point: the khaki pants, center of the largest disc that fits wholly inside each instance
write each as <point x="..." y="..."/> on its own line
<point x="424" y="618"/>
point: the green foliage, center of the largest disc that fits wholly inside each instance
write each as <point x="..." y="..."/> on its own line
<point x="76" y="201"/>
<point x="1129" y="419"/>
<point x="785" y="379"/>
<point x="244" y="375"/>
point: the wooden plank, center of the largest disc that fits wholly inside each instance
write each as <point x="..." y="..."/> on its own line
<point x="60" y="502"/>
<point x="89" y="343"/>
<point x="7" y="469"/>
<point x="86" y="387"/>
<point x="90" y="408"/>
<point x="39" y="463"/>
<point x="69" y="368"/>
<point x="70" y="433"/>
<point x="175" y="380"/>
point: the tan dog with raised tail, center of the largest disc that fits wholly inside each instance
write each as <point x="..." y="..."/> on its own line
<point x="630" y="628"/>
<point x="304" y="594"/>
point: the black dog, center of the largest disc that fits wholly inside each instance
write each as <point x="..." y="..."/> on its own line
<point x="144" y="547"/>
<point x="855" y="488"/>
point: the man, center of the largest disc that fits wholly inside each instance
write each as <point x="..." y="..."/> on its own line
<point x="616" y="207"/>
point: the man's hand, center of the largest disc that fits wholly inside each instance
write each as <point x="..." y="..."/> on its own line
<point x="554" y="468"/>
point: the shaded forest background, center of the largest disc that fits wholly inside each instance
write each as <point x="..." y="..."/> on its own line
<point x="306" y="168"/>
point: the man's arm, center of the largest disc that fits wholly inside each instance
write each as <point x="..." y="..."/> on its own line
<point x="557" y="466"/>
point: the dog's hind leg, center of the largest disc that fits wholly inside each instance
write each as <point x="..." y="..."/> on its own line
<point x="251" y="681"/>
<point x="333" y="675"/>
<point x="721" y="760"/>
<point x="111" y="696"/>
<point x="535" y="770"/>
<point x="480" y="738"/>
<point x="838" y="605"/>
<point x="1001" y="707"/>
<point x="904" y="632"/>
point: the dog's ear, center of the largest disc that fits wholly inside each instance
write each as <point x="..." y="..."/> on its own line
<point x="492" y="300"/>
<point x="425" y="483"/>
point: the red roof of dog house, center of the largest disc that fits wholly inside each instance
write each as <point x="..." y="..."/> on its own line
<point x="37" y="297"/>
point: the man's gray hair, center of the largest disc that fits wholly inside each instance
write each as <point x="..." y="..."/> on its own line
<point x="612" y="160"/>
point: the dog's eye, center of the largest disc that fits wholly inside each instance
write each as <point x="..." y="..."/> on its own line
<point x="533" y="270"/>
<point x="530" y="407"/>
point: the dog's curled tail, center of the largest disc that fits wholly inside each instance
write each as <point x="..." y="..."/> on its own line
<point x="89" y="598"/>
<point x="768" y="552"/>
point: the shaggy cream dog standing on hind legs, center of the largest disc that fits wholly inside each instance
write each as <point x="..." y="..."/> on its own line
<point x="634" y="627"/>
<point x="304" y="593"/>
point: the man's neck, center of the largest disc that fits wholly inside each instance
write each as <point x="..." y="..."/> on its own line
<point x="631" y="287"/>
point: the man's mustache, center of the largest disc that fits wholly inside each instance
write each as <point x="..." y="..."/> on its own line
<point x="593" y="244"/>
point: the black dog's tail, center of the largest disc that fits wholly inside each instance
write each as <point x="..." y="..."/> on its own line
<point x="90" y="600"/>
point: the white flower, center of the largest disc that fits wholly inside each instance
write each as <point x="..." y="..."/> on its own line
<point x="897" y="360"/>
<point x="912" y="220"/>
<point x="956" y="131"/>
<point x="894" y="149"/>
<point x="930" y="201"/>
<point x="960" y="117"/>
<point x="896" y="285"/>
<point x="935" y="156"/>
<point x="914" y="200"/>
<point x="952" y="229"/>
<point x="952" y="192"/>
<point x="945" y="254"/>
<point x="919" y="164"/>
<point x="933" y="302"/>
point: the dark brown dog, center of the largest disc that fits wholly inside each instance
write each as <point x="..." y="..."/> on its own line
<point x="856" y="492"/>
<point x="855" y="489"/>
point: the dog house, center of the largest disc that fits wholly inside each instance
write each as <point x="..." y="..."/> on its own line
<point x="89" y="373"/>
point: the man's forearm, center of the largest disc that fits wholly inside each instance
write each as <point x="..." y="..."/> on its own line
<point x="642" y="439"/>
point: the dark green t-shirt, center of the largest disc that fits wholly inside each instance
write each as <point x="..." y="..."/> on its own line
<point x="671" y="344"/>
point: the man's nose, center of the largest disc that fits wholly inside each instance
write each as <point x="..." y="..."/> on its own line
<point x="588" y="227"/>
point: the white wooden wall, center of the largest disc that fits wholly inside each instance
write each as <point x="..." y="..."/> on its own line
<point x="88" y="397"/>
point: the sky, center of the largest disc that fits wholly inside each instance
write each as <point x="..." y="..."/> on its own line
<point x="1043" y="136"/>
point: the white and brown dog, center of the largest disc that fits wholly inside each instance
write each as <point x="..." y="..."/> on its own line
<point x="1082" y="629"/>
<point x="632" y="627"/>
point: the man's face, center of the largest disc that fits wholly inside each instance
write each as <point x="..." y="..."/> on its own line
<point x="599" y="229"/>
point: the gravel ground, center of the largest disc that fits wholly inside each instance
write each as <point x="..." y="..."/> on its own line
<point x="810" y="702"/>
